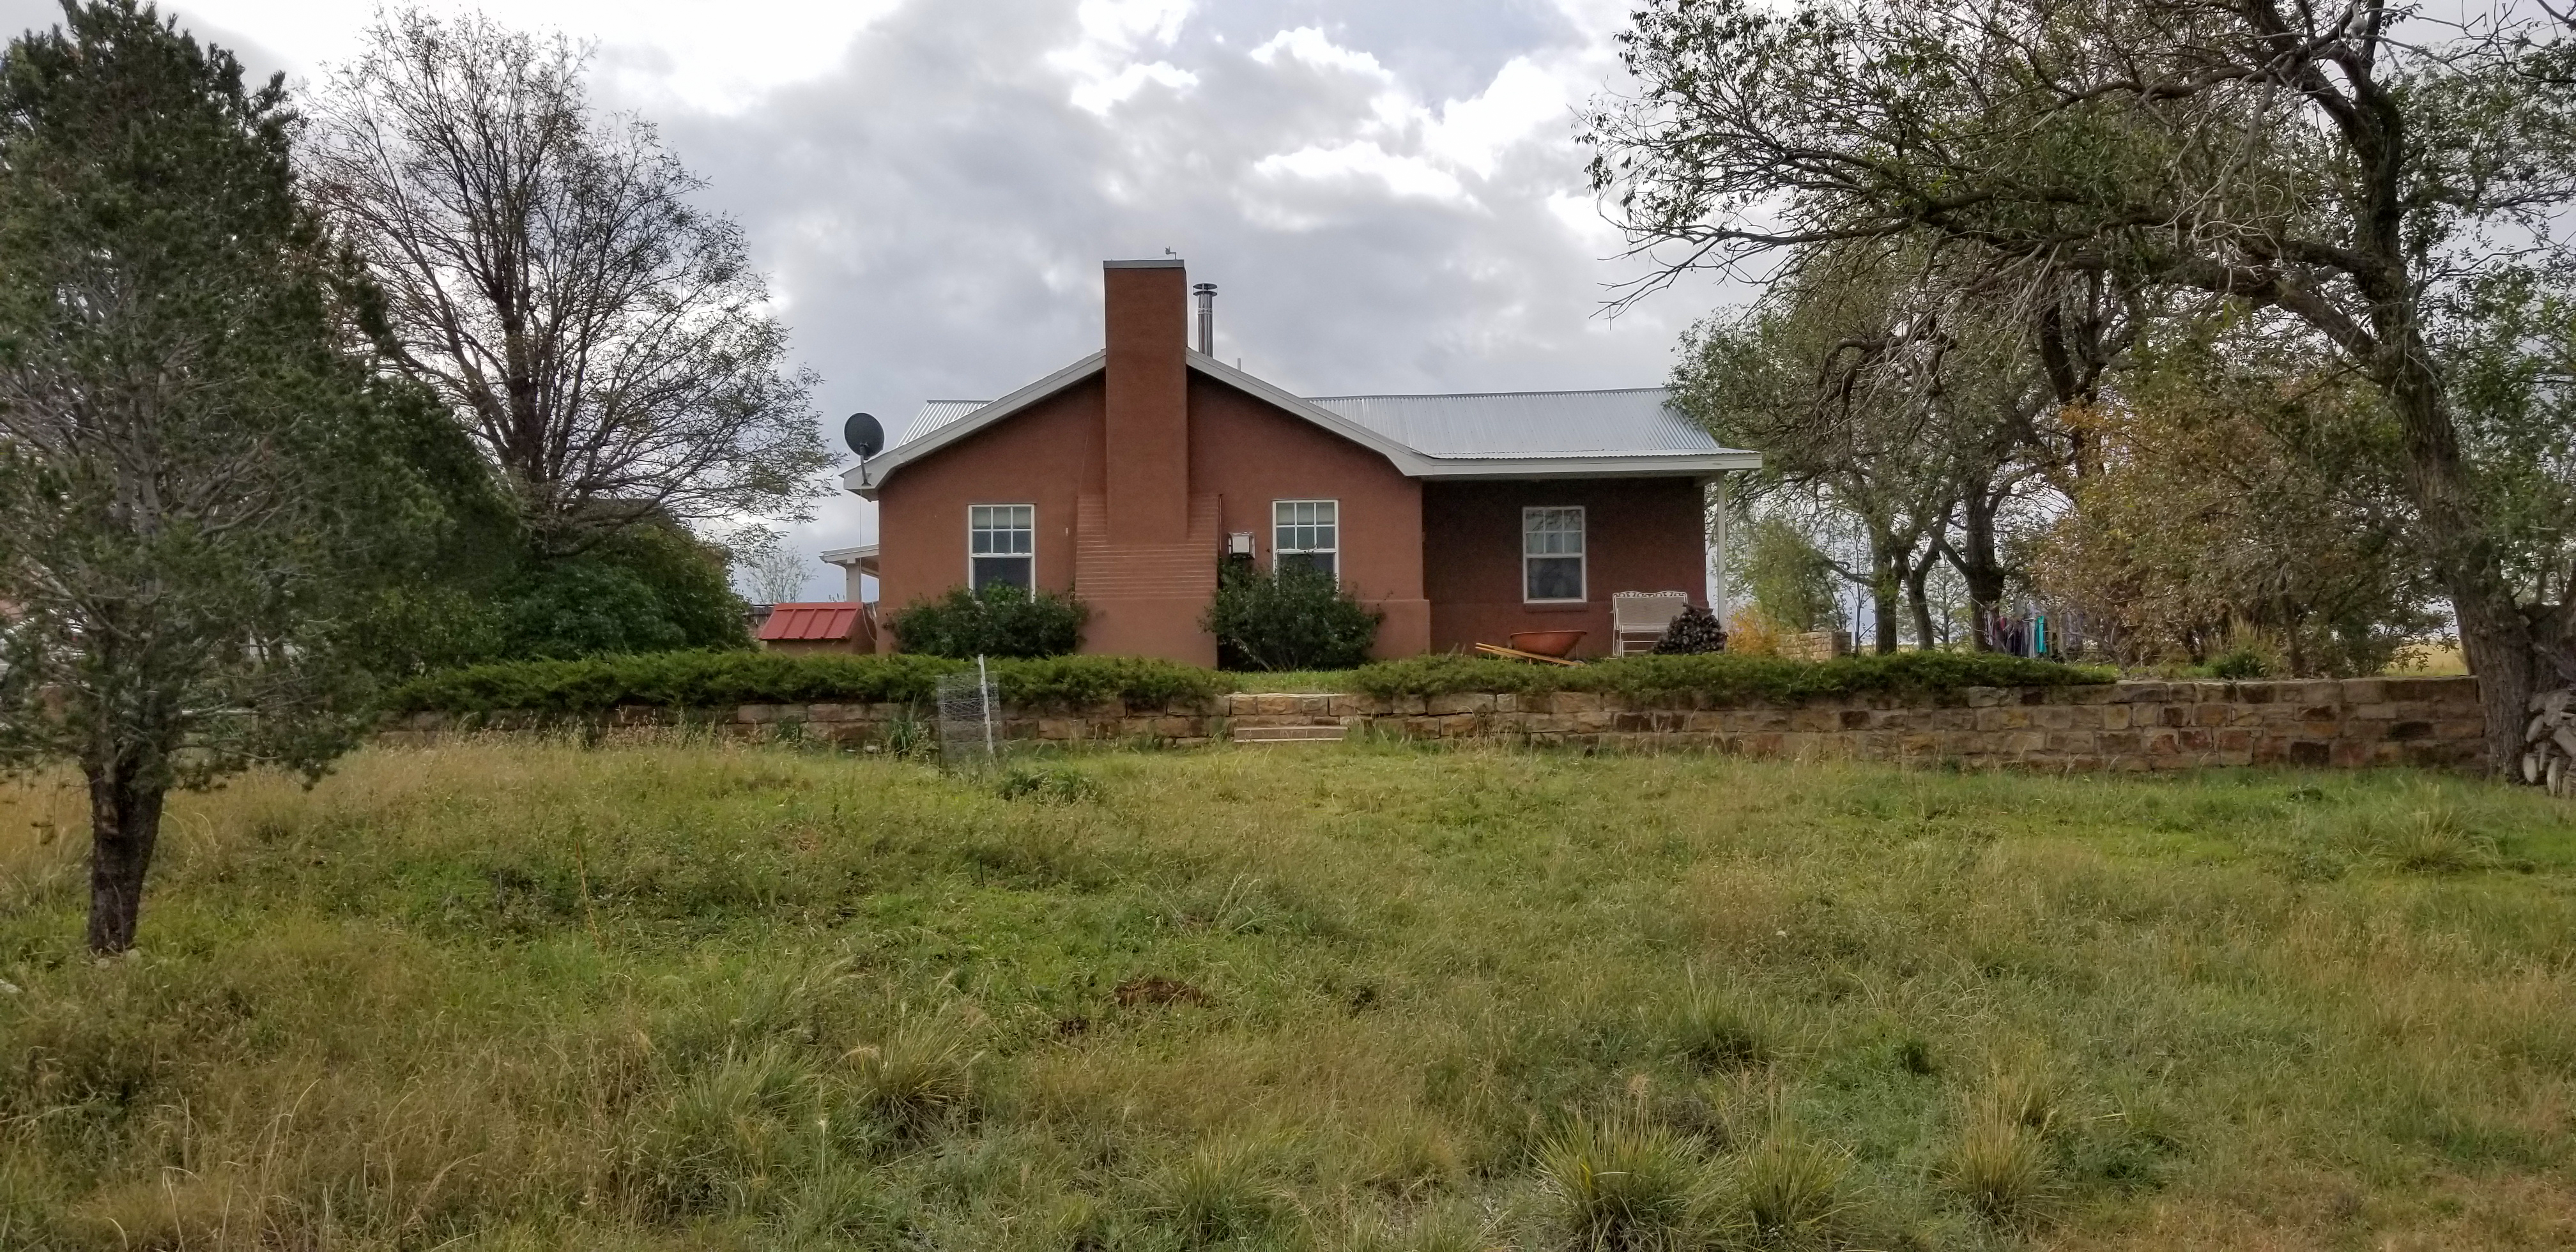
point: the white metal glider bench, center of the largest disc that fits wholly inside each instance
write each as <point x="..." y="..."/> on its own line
<point x="1638" y="619"/>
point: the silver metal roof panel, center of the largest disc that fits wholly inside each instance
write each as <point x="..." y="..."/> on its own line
<point x="932" y="415"/>
<point x="1632" y="421"/>
<point x="1630" y="432"/>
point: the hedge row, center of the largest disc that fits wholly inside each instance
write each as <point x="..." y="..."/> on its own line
<point x="710" y="680"/>
<point x="1720" y="677"/>
<point x="713" y="680"/>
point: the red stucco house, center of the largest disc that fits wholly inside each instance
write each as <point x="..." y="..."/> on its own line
<point x="1124" y="476"/>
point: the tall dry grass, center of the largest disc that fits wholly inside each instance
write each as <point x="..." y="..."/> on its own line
<point x="523" y="994"/>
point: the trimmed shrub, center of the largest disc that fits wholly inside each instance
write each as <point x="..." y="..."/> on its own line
<point x="1725" y="677"/>
<point x="715" y="680"/>
<point x="997" y="620"/>
<point x="1290" y="619"/>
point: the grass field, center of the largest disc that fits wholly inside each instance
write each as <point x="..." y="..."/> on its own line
<point x="523" y="995"/>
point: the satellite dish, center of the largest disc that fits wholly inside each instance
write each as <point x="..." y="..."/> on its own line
<point x="863" y="435"/>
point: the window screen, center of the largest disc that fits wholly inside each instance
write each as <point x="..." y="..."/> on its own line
<point x="1306" y="534"/>
<point x="1001" y="545"/>
<point x="1552" y="554"/>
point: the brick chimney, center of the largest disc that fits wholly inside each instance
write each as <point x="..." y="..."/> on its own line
<point x="1147" y="306"/>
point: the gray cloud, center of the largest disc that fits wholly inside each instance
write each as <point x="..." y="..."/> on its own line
<point x="934" y="210"/>
<point x="937" y="209"/>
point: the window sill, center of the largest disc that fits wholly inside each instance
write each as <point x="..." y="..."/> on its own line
<point x="1555" y="606"/>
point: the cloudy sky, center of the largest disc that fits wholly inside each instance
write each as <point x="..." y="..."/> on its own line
<point x="1387" y="192"/>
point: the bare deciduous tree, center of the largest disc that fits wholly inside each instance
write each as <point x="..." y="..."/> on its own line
<point x="766" y="569"/>
<point x="603" y="339"/>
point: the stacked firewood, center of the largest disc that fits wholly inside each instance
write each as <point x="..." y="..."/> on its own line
<point x="2549" y="742"/>
<point x="1694" y="630"/>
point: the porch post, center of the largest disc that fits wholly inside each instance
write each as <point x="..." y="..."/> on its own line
<point x="1713" y="555"/>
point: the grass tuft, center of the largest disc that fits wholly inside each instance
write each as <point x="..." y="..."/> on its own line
<point x="1712" y="1031"/>
<point x="1793" y="1187"/>
<point x="1622" y="1185"/>
<point x="1048" y="784"/>
<point x="1220" y="1189"/>
<point x="919" y="1076"/>
<point x="2437" y="841"/>
<point x="2000" y="1167"/>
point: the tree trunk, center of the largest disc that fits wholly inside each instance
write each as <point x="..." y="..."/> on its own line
<point x="2496" y="641"/>
<point x="1917" y="601"/>
<point x="125" y="824"/>
<point x="1884" y="599"/>
<point x="2495" y="637"/>
<point x="1979" y="567"/>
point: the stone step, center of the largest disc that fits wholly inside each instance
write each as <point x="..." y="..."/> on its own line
<point x="1289" y="734"/>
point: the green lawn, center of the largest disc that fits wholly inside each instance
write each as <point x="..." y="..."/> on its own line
<point x="522" y="995"/>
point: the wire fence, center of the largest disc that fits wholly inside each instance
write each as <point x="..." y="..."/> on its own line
<point x="970" y="733"/>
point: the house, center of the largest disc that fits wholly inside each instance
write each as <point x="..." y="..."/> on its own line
<point x="1122" y="477"/>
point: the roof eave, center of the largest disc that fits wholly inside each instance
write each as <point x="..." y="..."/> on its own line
<point x="863" y="479"/>
<point x="1652" y="465"/>
<point x="1408" y="461"/>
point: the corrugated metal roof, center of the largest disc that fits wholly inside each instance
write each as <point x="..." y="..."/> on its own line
<point x="932" y="415"/>
<point x="1632" y="421"/>
<point x="824" y="620"/>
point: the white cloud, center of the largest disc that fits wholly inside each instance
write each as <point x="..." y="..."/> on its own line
<point x="1125" y="22"/>
<point x="1581" y="214"/>
<point x="1103" y="62"/>
<point x="1315" y="48"/>
<point x="1522" y="100"/>
<point x="1403" y="175"/>
<point x="701" y="53"/>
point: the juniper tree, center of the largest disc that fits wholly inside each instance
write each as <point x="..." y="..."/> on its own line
<point x="201" y="477"/>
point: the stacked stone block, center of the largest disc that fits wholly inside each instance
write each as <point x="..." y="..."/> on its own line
<point x="2119" y="726"/>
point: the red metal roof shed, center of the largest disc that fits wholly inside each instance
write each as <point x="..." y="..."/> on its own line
<point x="828" y="621"/>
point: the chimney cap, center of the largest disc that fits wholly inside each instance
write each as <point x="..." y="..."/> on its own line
<point x="1156" y="263"/>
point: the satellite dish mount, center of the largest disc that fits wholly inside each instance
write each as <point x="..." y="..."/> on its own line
<point x="865" y="437"/>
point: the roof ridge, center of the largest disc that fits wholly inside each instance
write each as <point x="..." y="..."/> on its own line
<point x="1479" y="395"/>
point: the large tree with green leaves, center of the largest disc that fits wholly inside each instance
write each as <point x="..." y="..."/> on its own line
<point x="1826" y="377"/>
<point x="2349" y="173"/>
<point x="203" y="477"/>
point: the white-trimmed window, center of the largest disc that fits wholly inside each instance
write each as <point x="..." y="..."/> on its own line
<point x="1001" y="545"/>
<point x="1306" y="534"/>
<point x="1552" y="555"/>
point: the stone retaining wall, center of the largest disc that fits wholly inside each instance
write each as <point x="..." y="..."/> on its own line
<point x="2120" y="726"/>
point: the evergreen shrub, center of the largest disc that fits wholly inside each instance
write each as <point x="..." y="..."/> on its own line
<point x="723" y="680"/>
<point x="1722" y="677"/>
<point x="996" y="620"/>
<point x="1289" y="619"/>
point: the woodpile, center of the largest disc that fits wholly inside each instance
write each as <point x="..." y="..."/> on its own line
<point x="2549" y="742"/>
